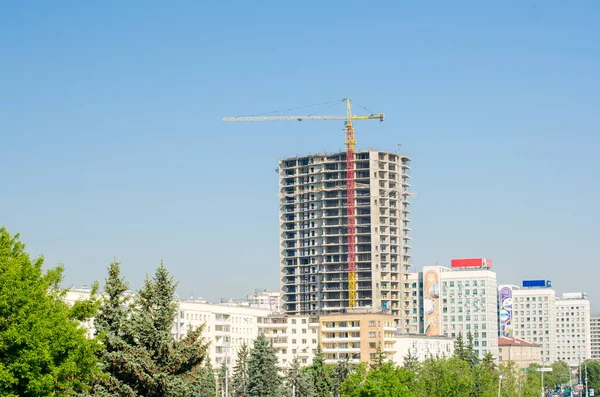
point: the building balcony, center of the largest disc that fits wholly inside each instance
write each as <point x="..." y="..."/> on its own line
<point x="341" y="340"/>
<point x="340" y="329"/>
<point x="342" y="350"/>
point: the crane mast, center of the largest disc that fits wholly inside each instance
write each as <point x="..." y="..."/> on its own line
<point x="350" y="179"/>
<point x="350" y="207"/>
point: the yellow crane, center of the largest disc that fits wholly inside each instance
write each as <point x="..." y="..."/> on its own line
<point x="350" y="177"/>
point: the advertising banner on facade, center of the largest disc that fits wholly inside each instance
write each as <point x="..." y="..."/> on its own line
<point x="506" y="327"/>
<point x="431" y="302"/>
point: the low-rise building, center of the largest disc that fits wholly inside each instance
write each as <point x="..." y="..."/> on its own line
<point x="226" y="327"/>
<point x="422" y="347"/>
<point x="522" y="352"/>
<point x="357" y="336"/>
<point x="292" y="337"/>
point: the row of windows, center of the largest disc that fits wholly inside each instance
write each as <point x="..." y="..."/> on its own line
<point x="466" y="318"/>
<point x="530" y="299"/>
<point x="466" y="283"/>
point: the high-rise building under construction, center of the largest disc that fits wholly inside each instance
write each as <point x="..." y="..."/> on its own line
<point x="314" y="232"/>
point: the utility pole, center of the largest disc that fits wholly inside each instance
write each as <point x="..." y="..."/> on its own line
<point x="586" y="380"/>
<point x="226" y="377"/>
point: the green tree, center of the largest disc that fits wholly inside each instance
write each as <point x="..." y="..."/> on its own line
<point x="512" y="377"/>
<point x="239" y="380"/>
<point x="532" y="382"/>
<point x="593" y="375"/>
<point x="43" y="348"/>
<point x="379" y="359"/>
<point x="383" y="381"/>
<point x="411" y="362"/>
<point x="341" y="371"/>
<point x="143" y="358"/>
<point x="320" y="374"/>
<point x="263" y="379"/>
<point x="109" y="324"/>
<point x="205" y="384"/>
<point x="444" y="377"/>
<point x="298" y="381"/>
<point x="485" y="377"/>
<point x="460" y="351"/>
<point x="559" y="374"/>
<point x="223" y="378"/>
<point x="470" y="355"/>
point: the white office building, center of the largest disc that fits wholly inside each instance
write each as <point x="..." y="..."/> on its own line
<point x="461" y="299"/>
<point x="533" y="319"/>
<point x="573" y="336"/>
<point x="227" y="327"/>
<point x="422" y="347"/>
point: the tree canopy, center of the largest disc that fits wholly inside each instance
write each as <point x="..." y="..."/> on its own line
<point x="43" y="348"/>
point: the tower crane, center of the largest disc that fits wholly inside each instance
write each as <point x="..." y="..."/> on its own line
<point x="350" y="177"/>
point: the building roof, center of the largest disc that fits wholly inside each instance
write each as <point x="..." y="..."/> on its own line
<point x="502" y="341"/>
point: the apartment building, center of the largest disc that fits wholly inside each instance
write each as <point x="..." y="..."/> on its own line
<point x="422" y="347"/>
<point x="521" y="352"/>
<point x="413" y="304"/>
<point x="595" y="338"/>
<point x="265" y="299"/>
<point x="460" y="299"/>
<point x="292" y="337"/>
<point x="226" y="327"/>
<point x="313" y="232"/>
<point x="357" y="336"/>
<point x="533" y="315"/>
<point x="573" y="336"/>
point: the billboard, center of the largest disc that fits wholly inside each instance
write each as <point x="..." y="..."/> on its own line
<point x="505" y="313"/>
<point x="537" y="284"/>
<point x="431" y="301"/>
<point x="479" y="263"/>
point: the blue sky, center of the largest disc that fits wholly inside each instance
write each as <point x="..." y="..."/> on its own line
<point x="112" y="143"/>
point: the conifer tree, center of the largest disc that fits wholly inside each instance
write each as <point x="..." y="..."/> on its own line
<point x="459" y="347"/>
<point x="470" y="355"/>
<point x="340" y="374"/>
<point x="379" y="359"/>
<point x="239" y="380"/>
<point x="142" y="356"/>
<point x="320" y="375"/>
<point x="297" y="381"/>
<point x="223" y="378"/>
<point x="410" y="362"/>
<point x="205" y="384"/>
<point x="263" y="377"/>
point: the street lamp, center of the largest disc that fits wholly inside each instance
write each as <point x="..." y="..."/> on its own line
<point x="499" y="384"/>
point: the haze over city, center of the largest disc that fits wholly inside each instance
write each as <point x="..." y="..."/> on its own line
<point x="113" y="144"/>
